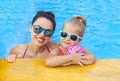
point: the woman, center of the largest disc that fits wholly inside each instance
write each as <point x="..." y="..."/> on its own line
<point x="42" y="28"/>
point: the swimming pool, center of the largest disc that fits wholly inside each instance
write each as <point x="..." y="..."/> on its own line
<point x="102" y="35"/>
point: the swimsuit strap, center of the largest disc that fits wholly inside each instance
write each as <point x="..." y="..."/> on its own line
<point x="61" y="52"/>
<point x="25" y="51"/>
<point x="48" y="49"/>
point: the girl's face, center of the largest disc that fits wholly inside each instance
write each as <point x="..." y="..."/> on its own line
<point x="41" y="31"/>
<point x="70" y="35"/>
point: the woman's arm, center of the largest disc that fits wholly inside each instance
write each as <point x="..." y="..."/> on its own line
<point x="14" y="53"/>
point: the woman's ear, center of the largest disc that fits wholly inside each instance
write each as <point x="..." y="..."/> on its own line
<point x="30" y="28"/>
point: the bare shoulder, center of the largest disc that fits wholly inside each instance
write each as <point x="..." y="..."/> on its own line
<point x="86" y="51"/>
<point x="84" y="48"/>
<point x="18" y="49"/>
<point x="54" y="52"/>
<point x="53" y="45"/>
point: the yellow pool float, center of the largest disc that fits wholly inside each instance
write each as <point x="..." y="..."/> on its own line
<point x="35" y="70"/>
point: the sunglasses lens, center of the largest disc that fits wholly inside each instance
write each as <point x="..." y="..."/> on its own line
<point x="63" y="34"/>
<point x="37" y="29"/>
<point x="48" y="32"/>
<point x="73" y="37"/>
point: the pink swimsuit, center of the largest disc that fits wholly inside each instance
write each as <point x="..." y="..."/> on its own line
<point x="73" y="47"/>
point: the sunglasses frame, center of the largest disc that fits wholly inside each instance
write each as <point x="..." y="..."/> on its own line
<point x="42" y="29"/>
<point x="68" y="34"/>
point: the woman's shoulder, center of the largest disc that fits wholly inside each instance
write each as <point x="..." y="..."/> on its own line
<point x="18" y="47"/>
<point x="53" y="44"/>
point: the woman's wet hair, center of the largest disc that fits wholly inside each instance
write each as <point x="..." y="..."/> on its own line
<point x="79" y="21"/>
<point x="46" y="14"/>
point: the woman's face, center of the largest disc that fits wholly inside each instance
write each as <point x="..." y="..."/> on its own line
<point x="39" y="38"/>
<point x="70" y="30"/>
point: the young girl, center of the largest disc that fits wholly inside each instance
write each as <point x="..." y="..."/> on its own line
<point x="69" y="52"/>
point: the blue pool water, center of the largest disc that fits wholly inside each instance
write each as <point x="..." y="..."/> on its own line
<point x="102" y="35"/>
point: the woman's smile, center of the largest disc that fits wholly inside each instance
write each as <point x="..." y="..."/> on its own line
<point x="40" y="40"/>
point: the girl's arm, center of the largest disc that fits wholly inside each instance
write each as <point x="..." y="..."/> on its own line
<point x="85" y="58"/>
<point x="54" y="59"/>
<point x="58" y="61"/>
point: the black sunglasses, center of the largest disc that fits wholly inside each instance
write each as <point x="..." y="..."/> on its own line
<point x="38" y="29"/>
<point x="73" y="37"/>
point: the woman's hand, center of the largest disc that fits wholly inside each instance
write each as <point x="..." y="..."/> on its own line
<point x="11" y="58"/>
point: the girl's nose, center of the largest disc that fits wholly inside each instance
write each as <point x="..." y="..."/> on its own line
<point x="67" y="38"/>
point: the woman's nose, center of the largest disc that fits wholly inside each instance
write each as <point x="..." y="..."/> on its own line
<point x="41" y="34"/>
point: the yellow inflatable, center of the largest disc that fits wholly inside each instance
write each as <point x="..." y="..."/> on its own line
<point x="35" y="70"/>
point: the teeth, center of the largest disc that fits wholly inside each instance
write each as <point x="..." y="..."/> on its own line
<point x="40" y="40"/>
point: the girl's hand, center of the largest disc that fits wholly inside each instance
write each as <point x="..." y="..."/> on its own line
<point x="76" y="58"/>
<point x="11" y="58"/>
<point x="88" y="59"/>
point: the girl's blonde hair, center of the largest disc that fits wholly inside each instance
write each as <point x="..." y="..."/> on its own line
<point x="80" y="18"/>
<point x="79" y="21"/>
